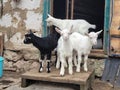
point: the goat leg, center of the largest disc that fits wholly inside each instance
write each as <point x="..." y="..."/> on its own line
<point x="41" y="62"/>
<point x="48" y="62"/>
<point x="48" y="66"/>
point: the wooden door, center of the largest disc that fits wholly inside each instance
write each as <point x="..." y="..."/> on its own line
<point x="114" y="29"/>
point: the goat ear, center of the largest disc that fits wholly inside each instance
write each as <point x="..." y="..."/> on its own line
<point x="71" y="29"/>
<point x="87" y="34"/>
<point x="99" y="32"/>
<point x="49" y="15"/>
<point x="58" y="30"/>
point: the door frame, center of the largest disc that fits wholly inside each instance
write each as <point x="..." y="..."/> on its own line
<point x="48" y="8"/>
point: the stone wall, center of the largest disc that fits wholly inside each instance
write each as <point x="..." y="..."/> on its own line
<point x="18" y="17"/>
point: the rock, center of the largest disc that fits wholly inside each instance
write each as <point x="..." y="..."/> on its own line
<point x="27" y="65"/>
<point x="6" y="64"/>
<point x="19" y="64"/>
<point x="12" y="56"/>
<point x="91" y="64"/>
<point x="22" y="65"/>
<point x="10" y="69"/>
<point x="9" y="45"/>
<point x="99" y="67"/>
<point x="34" y="65"/>
<point x="10" y="64"/>
<point x="31" y="54"/>
<point x="96" y="64"/>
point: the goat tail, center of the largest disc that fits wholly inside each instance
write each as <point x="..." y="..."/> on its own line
<point x="93" y="26"/>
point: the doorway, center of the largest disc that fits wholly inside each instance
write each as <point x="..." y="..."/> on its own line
<point x="90" y="10"/>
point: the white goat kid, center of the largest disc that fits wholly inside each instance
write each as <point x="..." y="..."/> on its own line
<point x="84" y="48"/>
<point x="79" y="25"/>
<point x="64" y="50"/>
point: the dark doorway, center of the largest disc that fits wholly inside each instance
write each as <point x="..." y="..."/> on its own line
<point x="90" y="10"/>
<point x="59" y="9"/>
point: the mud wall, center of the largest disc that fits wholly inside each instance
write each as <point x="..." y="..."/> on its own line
<point x="18" y="17"/>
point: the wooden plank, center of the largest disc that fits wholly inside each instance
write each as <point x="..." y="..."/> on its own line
<point x="116" y="19"/>
<point x="67" y="9"/>
<point x="115" y="45"/>
<point x="72" y="9"/>
<point x="24" y="82"/>
<point x="114" y="32"/>
<point x="1" y="43"/>
<point x="115" y="25"/>
<point x="54" y="76"/>
<point x="98" y="53"/>
<point x="51" y="7"/>
<point x="83" y="79"/>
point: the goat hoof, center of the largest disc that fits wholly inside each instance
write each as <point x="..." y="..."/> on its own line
<point x="57" y="67"/>
<point x="70" y="73"/>
<point x="41" y="69"/>
<point x="48" y="71"/>
<point x="61" y="74"/>
<point x="77" y="70"/>
<point x="85" y="70"/>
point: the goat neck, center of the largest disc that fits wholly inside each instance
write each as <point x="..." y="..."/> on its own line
<point x="58" y="22"/>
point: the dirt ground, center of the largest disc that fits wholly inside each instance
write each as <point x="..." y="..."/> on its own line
<point x="12" y="80"/>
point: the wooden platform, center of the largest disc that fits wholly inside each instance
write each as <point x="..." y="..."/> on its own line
<point x="83" y="79"/>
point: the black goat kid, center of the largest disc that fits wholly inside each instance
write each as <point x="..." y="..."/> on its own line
<point x="44" y="44"/>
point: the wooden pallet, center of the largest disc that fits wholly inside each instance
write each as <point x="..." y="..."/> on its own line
<point x="84" y="79"/>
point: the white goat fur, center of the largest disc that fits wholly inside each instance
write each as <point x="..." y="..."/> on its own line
<point x="64" y="51"/>
<point x="82" y="45"/>
<point x="84" y="48"/>
<point x="79" y="25"/>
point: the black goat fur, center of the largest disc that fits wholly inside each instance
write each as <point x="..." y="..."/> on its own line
<point x="45" y="45"/>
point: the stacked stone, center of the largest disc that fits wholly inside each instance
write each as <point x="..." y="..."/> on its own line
<point x="21" y="61"/>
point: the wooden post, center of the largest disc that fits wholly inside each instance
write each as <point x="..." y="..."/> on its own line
<point x="24" y="82"/>
<point x="107" y="26"/>
<point x="46" y="10"/>
<point x="83" y="87"/>
<point x="1" y="44"/>
<point x="67" y="9"/>
<point x="72" y="9"/>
